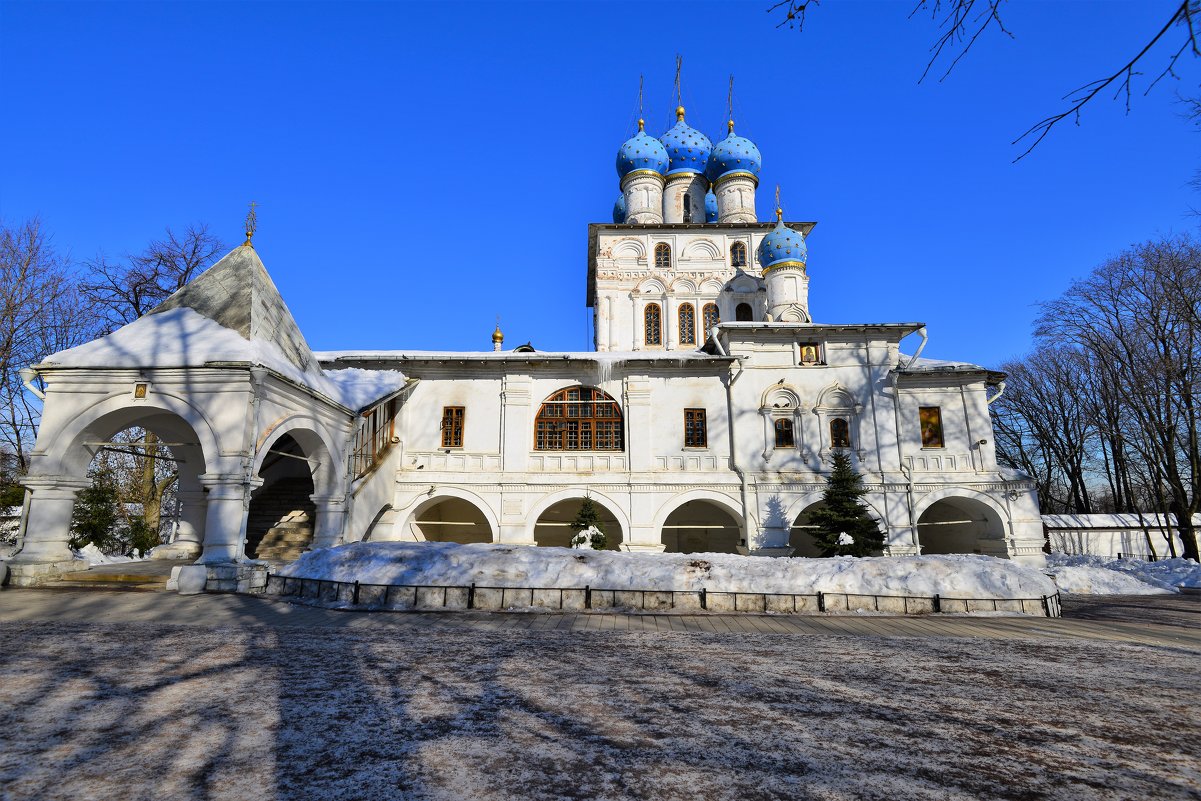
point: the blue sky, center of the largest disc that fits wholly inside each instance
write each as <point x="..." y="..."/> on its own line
<point x="381" y="138"/>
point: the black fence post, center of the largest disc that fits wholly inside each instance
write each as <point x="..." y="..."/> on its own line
<point x="821" y="601"/>
<point x="354" y="598"/>
<point x="471" y="596"/>
<point x="587" y="597"/>
<point x="704" y="599"/>
<point x="937" y="603"/>
<point x="1046" y="607"/>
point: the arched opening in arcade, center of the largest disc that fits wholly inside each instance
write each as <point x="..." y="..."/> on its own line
<point x="282" y="514"/>
<point x="961" y="525"/>
<point x="449" y="520"/>
<point x="800" y="536"/>
<point x="553" y="528"/>
<point x="133" y="501"/>
<point x="701" y="526"/>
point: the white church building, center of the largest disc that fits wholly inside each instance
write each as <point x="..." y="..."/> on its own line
<point x="703" y="421"/>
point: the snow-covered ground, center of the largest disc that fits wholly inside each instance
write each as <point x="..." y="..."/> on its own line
<point x="104" y="711"/>
<point x="499" y="565"/>
<point x="1097" y="575"/>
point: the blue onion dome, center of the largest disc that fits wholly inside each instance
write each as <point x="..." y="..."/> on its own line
<point x="782" y="246"/>
<point x="710" y="206"/>
<point x="641" y="152"/>
<point x="619" y="210"/>
<point x="687" y="148"/>
<point x="734" y="154"/>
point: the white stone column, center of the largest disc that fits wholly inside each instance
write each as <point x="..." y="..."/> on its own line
<point x="669" y="324"/>
<point x="189" y="533"/>
<point x="601" y="325"/>
<point x="329" y="527"/>
<point x="736" y="198"/>
<point x="48" y="523"/>
<point x="225" y="518"/>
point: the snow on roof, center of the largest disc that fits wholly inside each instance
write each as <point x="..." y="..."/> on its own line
<point x="181" y="337"/>
<point x="1121" y="521"/>
<point x="331" y="357"/>
<point x="914" y="365"/>
<point x="362" y="388"/>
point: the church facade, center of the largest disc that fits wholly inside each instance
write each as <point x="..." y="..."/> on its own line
<point x="705" y="420"/>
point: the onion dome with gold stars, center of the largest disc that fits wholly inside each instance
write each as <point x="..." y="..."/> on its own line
<point x="687" y="148"/>
<point x="619" y="210"/>
<point x="710" y="207"/>
<point x="782" y="247"/>
<point x="734" y="154"/>
<point x="641" y="152"/>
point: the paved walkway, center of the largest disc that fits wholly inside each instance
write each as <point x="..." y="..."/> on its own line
<point x="1171" y="621"/>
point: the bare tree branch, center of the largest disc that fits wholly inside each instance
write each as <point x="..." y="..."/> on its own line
<point x="1185" y="15"/>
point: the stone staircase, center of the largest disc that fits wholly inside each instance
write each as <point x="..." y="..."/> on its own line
<point x="280" y="525"/>
<point x="149" y="576"/>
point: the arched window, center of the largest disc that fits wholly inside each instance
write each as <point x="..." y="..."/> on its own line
<point x="738" y="255"/>
<point x="653" y="324"/>
<point x="710" y="318"/>
<point x="687" y="324"/>
<point x="579" y="419"/>
<point x="687" y="207"/>
<point x="663" y="256"/>
<point x="743" y="313"/>
<point x="784" y="437"/>
<point x="840" y="433"/>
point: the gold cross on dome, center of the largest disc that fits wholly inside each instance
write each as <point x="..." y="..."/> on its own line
<point x="251" y="224"/>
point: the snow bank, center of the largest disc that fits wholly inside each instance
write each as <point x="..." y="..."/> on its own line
<point x="1096" y="575"/>
<point x="97" y="557"/>
<point x="500" y="565"/>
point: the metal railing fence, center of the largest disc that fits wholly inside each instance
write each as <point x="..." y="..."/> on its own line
<point x="427" y="597"/>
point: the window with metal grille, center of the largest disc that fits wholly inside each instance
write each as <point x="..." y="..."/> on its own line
<point x="663" y="256"/>
<point x="784" y="434"/>
<point x="653" y="324"/>
<point x="840" y="433"/>
<point x="695" y="433"/>
<point x="373" y="437"/>
<point x="738" y="255"/>
<point x="452" y="426"/>
<point x="930" y="418"/>
<point x="687" y="324"/>
<point x="710" y="318"/>
<point x="687" y="207"/>
<point x="579" y="419"/>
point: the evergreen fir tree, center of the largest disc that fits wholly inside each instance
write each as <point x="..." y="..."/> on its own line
<point x="589" y="530"/>
<point x="94" y="517"/>
<point x="844" y="515"/>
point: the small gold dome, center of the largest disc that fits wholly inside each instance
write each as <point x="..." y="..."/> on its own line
<point x="497" y="336"/>
<point x="679" y="112"/>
